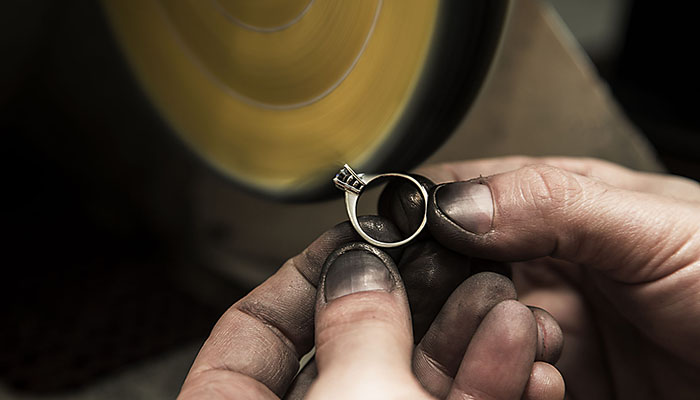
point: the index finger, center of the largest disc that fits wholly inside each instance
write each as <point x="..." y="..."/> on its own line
<point x="254" y="349"/>
<point x="612" y="174"/>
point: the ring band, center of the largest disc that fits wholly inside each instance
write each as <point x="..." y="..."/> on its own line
<point x="353" y="184"/>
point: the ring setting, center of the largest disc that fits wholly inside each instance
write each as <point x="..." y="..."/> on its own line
<point x="353" y="184"/>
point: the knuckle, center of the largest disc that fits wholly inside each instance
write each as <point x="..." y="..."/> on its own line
<point x="590" y="166"/>
<point x="550" y="189"/>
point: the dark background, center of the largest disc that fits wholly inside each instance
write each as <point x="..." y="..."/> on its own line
<point x="92" y="271"/>
<point x="655" y="76"/>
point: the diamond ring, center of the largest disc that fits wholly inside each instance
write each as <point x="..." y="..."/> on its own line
<point x="353" y="184"/>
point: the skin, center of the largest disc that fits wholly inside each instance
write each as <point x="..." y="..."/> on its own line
<point x="470" y="330"/>
<point x="612" y="254"/>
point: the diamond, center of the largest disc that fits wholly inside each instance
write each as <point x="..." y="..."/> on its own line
<point x="346" y="179"/>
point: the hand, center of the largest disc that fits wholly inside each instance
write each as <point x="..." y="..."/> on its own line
<point x="483" y="343"/>
<point x="613" y="254"/>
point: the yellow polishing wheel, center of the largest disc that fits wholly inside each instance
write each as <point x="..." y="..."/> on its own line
<point x="277" y="94"/>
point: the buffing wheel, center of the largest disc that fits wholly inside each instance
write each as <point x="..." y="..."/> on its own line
<point x="276" y="94"/>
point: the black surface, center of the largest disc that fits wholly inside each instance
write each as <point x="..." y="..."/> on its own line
<point x="656" y="78"/>
<point x="94" y="208"/>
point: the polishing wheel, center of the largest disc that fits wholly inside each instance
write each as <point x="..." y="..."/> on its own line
<point x="277" y="94"/>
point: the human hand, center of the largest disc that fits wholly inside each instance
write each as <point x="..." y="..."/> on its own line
<point x="482" y="343"/>
<point x="613" y="254"/>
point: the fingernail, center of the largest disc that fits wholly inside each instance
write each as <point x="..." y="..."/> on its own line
<point x="356" y="271"/>
<point x="467" y="204"/>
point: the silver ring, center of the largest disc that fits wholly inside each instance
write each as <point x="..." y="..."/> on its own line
<point x="353" y="184"/>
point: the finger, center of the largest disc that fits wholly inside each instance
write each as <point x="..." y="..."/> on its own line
<point x="545" y="383"/>
<point x="253" y="350"/>
<point x="634" y="240"/>
<point x="550" y="338"/>
<point x="612" y="174"/>
<point x="437" y="357"/>
<point x="498" y="361"/>
<point x="555" y="285"/>
<point x="462" y="170"/>
<point x="363" y="328"/>
<point x="430" y="273"/>
<point x="540" y="211"/>
<point x="402" y="203"/>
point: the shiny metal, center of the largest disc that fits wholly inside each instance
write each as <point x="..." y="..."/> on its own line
<point x="353" y="183"/>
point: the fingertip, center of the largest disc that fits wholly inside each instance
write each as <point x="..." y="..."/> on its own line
<point x="357" y="267"/>
<point x="545" y="383"/>
<point x="504" y="217"/>
<point x="493" y="284"/>
<point x="403" y="203"/>
<point x="446" y="231"/>
<point x="356" y="270"/>
<point x="515" y="315"/>
<point x="499" y="358"/>
<point x="382" y="229"/>
<point x="467" y="204"/>
<point x="438" y="356"/>
<point x="430" y="273"/>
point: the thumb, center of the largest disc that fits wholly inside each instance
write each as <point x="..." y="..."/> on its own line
<point x="363" y="328"/>
<point x="538" y="211"/>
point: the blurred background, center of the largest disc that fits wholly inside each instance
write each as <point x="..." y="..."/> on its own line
<point x="110" y="283"/>
<point x="644" y="52"/>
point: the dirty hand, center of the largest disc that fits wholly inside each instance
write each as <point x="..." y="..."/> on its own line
<point x="613" y="254"/>
<point x="475" y="340"/>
